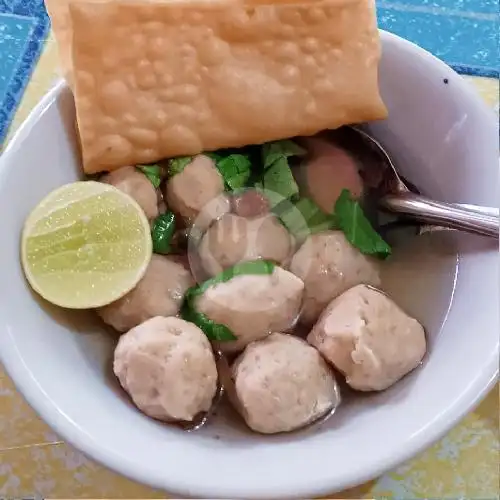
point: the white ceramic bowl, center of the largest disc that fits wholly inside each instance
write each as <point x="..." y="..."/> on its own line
<point x="445" y="140"/>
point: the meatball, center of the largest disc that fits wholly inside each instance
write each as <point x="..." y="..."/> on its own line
<point x="281" y="383"/>
<point x="188" y="192"/>
<point x="329" y="265"/>
<point x="168" y="368"/>
<point x="250" y="203"/>
<point x="233" y="239"/>
<point x="136" y="185"/>
<point x="159" y="293"/>
<point x="368" y="338"/>
<point x="328" y="161"/>
<point x="224" y="244"/>
<point x="253" y="306"/>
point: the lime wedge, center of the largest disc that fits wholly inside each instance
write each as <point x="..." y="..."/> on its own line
<point x="85" y="245"/>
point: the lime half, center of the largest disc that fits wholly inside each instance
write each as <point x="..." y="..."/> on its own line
<point x="85" y="245"/>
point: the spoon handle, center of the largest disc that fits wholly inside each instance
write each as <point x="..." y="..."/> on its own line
<point x="453" y="216"/>
<point x="493" y="211"/>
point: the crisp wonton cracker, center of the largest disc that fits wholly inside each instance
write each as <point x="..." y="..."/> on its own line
<point x="161" y="79"/>
<point x="59" y="17"/>
<point x="61" y="26"/>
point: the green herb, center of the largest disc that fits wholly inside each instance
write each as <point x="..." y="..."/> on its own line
<point x="177" y="165"/>
<point x="215" y="331"/>
<point x="304" y="218"/>
<point x="162" y="232"/>
<point x="235" y="169"/>
<point x="240" y="269"/>
<point x="357" y="228"/>
<point x="258" y="185"/>
<point x="279" y="179"/>
<point x="274" y="151"/>
<point x="277" y="176"/>
<point x="152" y="172"/>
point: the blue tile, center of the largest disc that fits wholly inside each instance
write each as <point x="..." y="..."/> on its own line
<point x="15" y="33"/>
<point x="468" y="44"/>
<point x="24" y="26"/>
<point x="459" y="8"/>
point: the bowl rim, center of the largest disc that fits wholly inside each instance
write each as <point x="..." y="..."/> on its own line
<point x="48" y="410"/>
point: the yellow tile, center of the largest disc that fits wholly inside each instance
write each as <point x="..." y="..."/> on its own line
<point x="464" y="464"/>
<point x="57" y="471"/>
<point x="19" y="425"/>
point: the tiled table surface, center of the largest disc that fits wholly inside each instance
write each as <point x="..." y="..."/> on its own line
<point x="33" y="461"/>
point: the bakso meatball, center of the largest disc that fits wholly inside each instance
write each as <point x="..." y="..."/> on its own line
<point x="159" y="293"/>
<point x="190" y="191"/>
<point x="224" y="244"/>
<point x="250" y="203"/>
<point x="253" y="306"/>
<point x="328" y="161"/>
<point x="168" y="368"/>
<point x="134" y="183"/>
<point x="329" y="265"/>
<point x="281" y="383"/>
<point x="368" y="338"/>
<point x="233" y="239"/>
<point x="268" y="239"/>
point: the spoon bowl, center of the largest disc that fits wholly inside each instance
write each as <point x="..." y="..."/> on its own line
<point x="387" y="189"/>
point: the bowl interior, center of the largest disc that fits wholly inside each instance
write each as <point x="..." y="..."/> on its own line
<point x="445" y="141"/>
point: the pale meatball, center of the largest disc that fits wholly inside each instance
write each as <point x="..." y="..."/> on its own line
<point x="189" y="192"/>
<point x="233" y="239"/>
<point x="159" y="293"/>
<point x="329" y="265"/>
<point x="250" y="203"/>
<point x="281" y="383"/>
<point x="368" y="338"/>
<point x="137" y="186"/>
<point x="253" y="306"/>
<point x="168" y="368"/>
<point x="224" y="244"/>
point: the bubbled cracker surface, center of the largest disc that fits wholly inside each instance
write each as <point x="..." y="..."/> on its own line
<point x="154" y="80"/>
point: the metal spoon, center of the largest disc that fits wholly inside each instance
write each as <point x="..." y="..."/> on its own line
<point x="395" y="195"/>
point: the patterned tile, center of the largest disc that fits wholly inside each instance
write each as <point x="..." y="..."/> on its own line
<point x="463" y="33"/>
<point x="24" y="26"/>
<point x="33" y="472"/>
<point x="19" y="425"/>
<point x="455" y="8"/>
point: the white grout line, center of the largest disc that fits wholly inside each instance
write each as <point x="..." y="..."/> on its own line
<point x="34" y="445"/>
